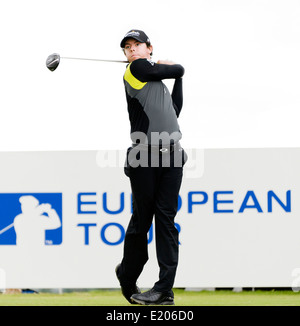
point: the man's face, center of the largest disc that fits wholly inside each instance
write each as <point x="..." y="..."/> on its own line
<point x="136" y="50"/>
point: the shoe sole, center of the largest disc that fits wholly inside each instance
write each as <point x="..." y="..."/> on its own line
<point x="144" y="303"/>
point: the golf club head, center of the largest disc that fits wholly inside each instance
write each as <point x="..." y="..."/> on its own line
<point x="52" y="61"/>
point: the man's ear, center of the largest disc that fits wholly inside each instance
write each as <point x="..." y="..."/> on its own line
<point x="151" y="49"/>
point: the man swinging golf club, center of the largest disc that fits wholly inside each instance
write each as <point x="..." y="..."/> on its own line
<point x="154" y="166"/>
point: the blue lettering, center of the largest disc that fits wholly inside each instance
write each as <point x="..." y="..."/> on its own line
<point x="80" y="202"/>
<point x="218" y="201"/>
<point x="191" y="202"/>
<point x="103" y="237"/>
<point x="221" y="203"/>
<point x="286" y="207"/>
<point x="255" y="201"/>
<point x="86" y="231"/>
<point x="106" y="210"/>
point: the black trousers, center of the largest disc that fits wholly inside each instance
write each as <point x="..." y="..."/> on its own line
<point x="155" y="194"/>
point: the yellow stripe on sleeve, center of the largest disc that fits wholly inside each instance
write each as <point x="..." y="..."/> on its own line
<point x="133" y="82"/>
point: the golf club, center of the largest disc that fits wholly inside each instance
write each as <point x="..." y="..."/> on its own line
<point x="53" y="60"/>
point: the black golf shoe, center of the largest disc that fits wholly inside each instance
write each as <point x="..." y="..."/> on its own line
<point x="127" y="290"/>
<point x="153" y="297"/>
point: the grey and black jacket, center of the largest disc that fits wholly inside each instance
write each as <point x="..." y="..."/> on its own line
<point x="152" y="109"/>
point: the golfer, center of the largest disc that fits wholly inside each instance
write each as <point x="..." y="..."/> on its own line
<point x="154" y="166"/>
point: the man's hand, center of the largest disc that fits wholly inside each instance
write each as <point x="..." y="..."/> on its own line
<point x="166" y="62"/>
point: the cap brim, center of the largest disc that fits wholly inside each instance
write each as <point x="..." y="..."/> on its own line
<point x="129" y="37"/>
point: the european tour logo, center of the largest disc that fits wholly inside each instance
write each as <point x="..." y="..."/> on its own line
<point x="30" y="219"/>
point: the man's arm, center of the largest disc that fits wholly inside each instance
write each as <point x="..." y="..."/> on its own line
<point x="146" y="71"/>
<point x="177" y="96"/>
<point x="52" y="221"/>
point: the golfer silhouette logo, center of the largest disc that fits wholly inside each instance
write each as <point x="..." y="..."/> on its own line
<point x="30" y="226"/>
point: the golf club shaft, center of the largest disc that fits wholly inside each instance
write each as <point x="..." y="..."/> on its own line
<point x="94" y="59"/>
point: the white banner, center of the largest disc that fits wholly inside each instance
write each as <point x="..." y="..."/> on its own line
<point x="63" y="217"/>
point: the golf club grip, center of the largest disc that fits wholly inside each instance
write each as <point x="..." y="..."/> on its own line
<point x="94" y="59"/>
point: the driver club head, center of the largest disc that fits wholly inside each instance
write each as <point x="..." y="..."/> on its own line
<point x="52" y="61"/>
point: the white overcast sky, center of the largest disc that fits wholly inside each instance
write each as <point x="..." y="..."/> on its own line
<point x="241" y="86"/>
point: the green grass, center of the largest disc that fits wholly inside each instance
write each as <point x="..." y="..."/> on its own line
<point x="182" y="298"/>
